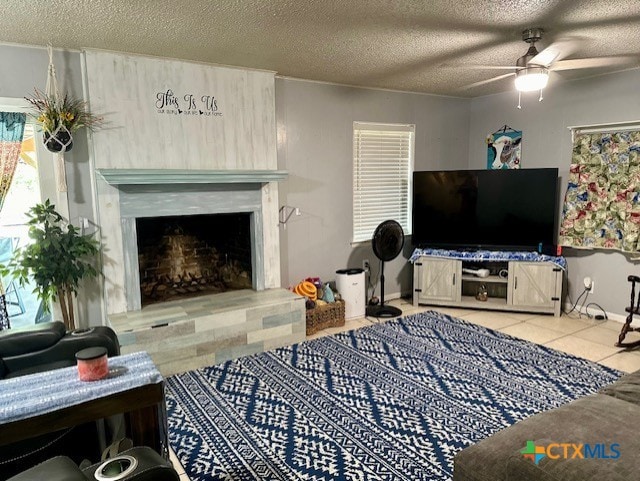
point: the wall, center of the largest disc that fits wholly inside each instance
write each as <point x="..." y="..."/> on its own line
<point x="314" y="123"/>
<point x="315" y="145"/>
<point x="547" y="143"/>
<point x="23" y="70"/>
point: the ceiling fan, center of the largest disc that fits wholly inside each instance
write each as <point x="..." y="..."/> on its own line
<point x="531" y="71"/>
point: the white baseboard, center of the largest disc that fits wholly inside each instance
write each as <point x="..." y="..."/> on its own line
<point x="582" y="310"/>
<point x="388" y="296"/>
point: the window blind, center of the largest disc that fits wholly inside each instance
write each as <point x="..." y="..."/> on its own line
<point x="382" y="167"/>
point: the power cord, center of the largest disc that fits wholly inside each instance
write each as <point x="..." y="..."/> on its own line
<point x="372" y="286"/>
<point x="370" y="300"/>
<point x="573" y="308"/>
<point x="37" y="450"/>
<point x="585" y="309"/>
<point x="598" y="317"/>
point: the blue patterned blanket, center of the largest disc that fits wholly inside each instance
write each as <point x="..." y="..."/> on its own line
<point x="392" y="401"/>
<point x="482" y="255"/>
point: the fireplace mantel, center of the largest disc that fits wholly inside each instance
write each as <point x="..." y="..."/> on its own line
<point x="139" y="193"/>
<point x="187" y="176"/>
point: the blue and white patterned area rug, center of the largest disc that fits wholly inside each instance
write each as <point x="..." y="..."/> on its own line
<point x="392" y="401"/>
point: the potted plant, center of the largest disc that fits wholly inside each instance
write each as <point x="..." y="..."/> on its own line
<point x="57" y="260"/>
<point x="58" y="117"/>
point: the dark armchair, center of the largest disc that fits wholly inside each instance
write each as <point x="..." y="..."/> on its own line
<point x="47" y="346"/>
<point x="136" y="464"/>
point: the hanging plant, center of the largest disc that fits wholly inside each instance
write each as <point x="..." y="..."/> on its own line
<point x="58" y="117"/>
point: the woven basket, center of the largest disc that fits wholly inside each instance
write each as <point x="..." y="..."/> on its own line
<point x="328" y="315"/>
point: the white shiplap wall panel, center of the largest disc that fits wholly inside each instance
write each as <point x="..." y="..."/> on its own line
<point x="123" y="89"/>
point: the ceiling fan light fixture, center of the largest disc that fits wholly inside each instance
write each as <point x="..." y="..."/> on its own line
<point x="529" y="79"/>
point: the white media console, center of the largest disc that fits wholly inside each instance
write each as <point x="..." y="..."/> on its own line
<point x="523" y="286"/>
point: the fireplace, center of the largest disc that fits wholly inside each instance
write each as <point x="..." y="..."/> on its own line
<point x="190" y="255"/>
<point x="136" y="202"/>
<point x="169" y="208"/>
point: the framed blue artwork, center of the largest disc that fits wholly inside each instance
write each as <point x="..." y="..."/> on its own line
<point x="504" y="149"/>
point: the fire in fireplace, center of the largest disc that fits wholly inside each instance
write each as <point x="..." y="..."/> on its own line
<point x="185" y="256"/>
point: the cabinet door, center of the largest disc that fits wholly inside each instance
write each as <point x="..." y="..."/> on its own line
<point x="439" y="280"/>
<point x="532" y="284"/>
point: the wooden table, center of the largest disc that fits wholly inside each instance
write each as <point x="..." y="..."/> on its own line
<point x="57" y="400"/>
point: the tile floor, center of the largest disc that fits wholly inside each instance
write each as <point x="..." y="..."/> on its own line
<point x="588" y="338"/>
<point x="583" y="337"/>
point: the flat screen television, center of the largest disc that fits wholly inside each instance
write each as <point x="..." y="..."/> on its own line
<point x="486" y="209"/>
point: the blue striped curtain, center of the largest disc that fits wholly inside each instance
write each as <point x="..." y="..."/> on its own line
<point x="11" y="133"/>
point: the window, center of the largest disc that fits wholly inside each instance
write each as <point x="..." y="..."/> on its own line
<point x="23" y="306"/>
<point x="34" y="180"/>
<point x="382" y="167"/>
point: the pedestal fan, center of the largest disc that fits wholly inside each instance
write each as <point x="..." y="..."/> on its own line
<point x="387" y="242"/>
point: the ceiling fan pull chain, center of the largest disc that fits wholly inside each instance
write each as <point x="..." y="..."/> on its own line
<point x="540" y="98"/>
<point x="519" y="99"/>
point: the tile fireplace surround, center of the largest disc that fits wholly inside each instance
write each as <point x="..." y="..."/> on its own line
<point x="190" y="333"/>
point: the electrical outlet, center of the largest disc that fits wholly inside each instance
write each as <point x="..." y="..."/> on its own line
<point x="84" y="225"/>
<point x="592" y="286"/>
<point x="366" y="265"/>
<point x="588" y="284"/>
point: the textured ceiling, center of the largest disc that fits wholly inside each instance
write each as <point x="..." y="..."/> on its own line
<point x="421" y="46"/>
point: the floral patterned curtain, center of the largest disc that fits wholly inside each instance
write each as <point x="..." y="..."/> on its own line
<point x="602" y="202"/>
<point x="11" y="132"/>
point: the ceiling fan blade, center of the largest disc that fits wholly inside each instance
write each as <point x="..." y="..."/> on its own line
<point x="556" y="51"/>
<point x="483" y="82"/>
<point x="595" y="62"/>
<point x="479" y="67"/>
